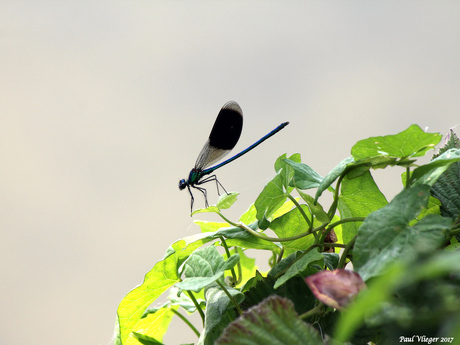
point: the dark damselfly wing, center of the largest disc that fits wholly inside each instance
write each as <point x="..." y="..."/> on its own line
<point x="224" y="135"/>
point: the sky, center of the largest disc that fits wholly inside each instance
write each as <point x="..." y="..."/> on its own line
<point x="105" y="105"/>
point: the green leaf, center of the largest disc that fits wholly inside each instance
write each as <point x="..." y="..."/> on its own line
<point x="264" y="223"/>
<point x="384" y="294"/>
<point x="274" y="322"/>
<point x="413" y="142"/>
<point x="359" y="197"/>
<point x="271" y="198"/>
<point x="332" y="176"/>
<point x="368" y="302"/>
<point x="249" y="216"/>
<point x="331" y="260"/>
<point x="247" y="265"/>
<point x="292" y="224"/>
<point x="299" y="266"/>
<point x="183" y="300"/>
<point x="284" y="264"/>
<point x="315" y="208"/>
<point x="285" y="208"/>
<point x="204" y="267"/>
<point x="379" y="162"/>
<point x="207" y="226"/>
<point x="430" y="284"/>
<point x="227" y="200"/>
<point x="161" y="277"/>
<point x="360" y="167"/>
<point x="304" y="176"/>
<point x="447" y="187"/>
<point x="252" y="281"/>
<point x="453" y="246"/>
<point x="432" y="208"/>
<point x="236" y="236"/>
<point x="218" y="308"/>
<point x="386" y="236"/>
<point x="447" y="191"/>
<point x="294" y="289"/>
<point x="286" y="170"/>
<point x="441" y="263"/>
<point x="151" y="329"/>
<point x="210" y="209"/>
<point x="429" y="173"/>
<point x="144" y="340"/>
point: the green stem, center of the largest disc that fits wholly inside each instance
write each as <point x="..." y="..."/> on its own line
<point x="334" y="245"/>
<point x="294" y="201"/>
<point x="273" y="260"/>
<point x="183" y="318"/>
<point x="343" y="258"/>
<point x="333" y="207"/>
<point x="238" y="309"/>
<point x="318" y="310"/>
<point x="226" y="219"/>
<point x="296" y="237"/>
<point x="240" y="273"/>
<point x="341" y="221"/>
<point x="346" y="220"/>
<point x="316" y="245"/>
<point x="277" y="239"/>
<point x="407" y="177"/>
<point x="455" y="232"/>
<point x="197" y="305"/>
<point x="224" y="244"/>
<point x="280" y="257"/>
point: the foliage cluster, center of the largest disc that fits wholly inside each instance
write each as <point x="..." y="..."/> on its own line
<point x="403" y="253"/>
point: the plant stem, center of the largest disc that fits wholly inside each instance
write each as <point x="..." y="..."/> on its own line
<point x="296" y="237"/>
<point x="318" y="310"/>
<point x="294" y="201"/>
<point x="341" y="221"/>
<point x="197" y="305"/>
<point x="240" y="272"/>
<point x="280" y="257"/>
<point x="407" y="178"/>
<point x="333" y="207"/>
<point x="183" y="318"/>
<point x="343" y="258"/>
<point x="226" y="219"/>
<point x="334" y="245"/>
<point x="238" y="309"/>
<point x="346" y="220"/>
<point x="316" y="245"/>
<point x="277" y="239"/>
<point x="224" y="244"/>
<point x="454" y="232"/>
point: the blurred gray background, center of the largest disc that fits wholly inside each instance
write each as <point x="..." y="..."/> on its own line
<point x="104" y="106"/>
